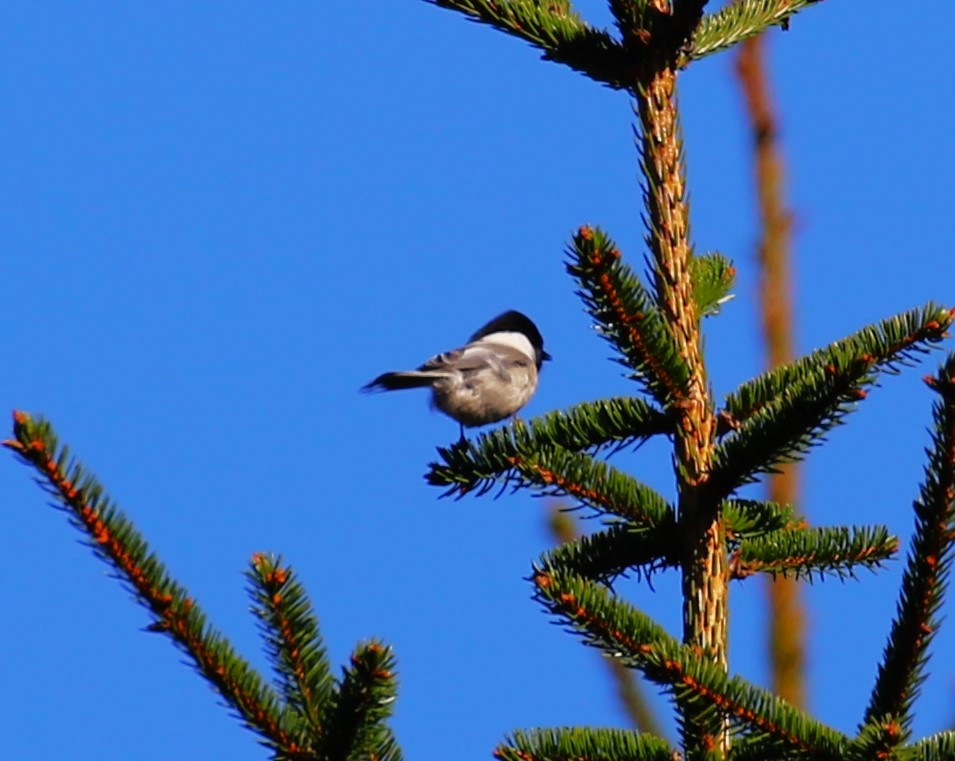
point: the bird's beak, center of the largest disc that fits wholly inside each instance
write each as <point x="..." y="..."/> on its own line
<point x="545" y="356"/>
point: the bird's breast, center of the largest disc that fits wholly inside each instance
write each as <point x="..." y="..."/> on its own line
<point x="480" y="398"/>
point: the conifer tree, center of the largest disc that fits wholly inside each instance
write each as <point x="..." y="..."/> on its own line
<point x="703" y="530"/>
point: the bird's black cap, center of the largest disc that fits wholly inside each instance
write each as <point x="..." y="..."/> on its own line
<point x="513" y="321"/>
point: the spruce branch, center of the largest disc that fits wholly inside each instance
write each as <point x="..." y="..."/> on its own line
<point x="759" y="748"/>
<point x="636" y="20"/>
<point x="355" y="717"/>
<point x="574" y="744"/>
<point x="786" y="429"/>
<point x="688" y="8"/>
<point x="788" y="410"/>
<point x="687" y="15"/>
<point x="622" y="547"/>
<point x="749" y="749"/>
<point x="660" y="144"/>
<point x="702" y="533"/>
<point x="294" y="644"/>
<point x="595" y="484"/>
<point x="662" y="26"/>
<point x="623" y="632"/>
<point x="750" y="518"/>
<point x="879" y="739"/>
<point x="629" y="688"/>
<point x="891" y="344"/>
<point x="626" y="315"/>
<point x="738" y="21"/>
<point x="555" y="28"/>
<point x="598" y="485"/>
<point x="808" y="552"/>
<point x="610" y="423"/>
<point x="929" y="564"/>
<point x="317" y="720"/>
<point x="937" y="747"/>
<point x="605" y="555"/>
<point x="114" y="539"/>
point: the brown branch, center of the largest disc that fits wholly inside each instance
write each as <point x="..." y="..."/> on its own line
<point x="703" y="536"/>
<point x="787" y="619"/>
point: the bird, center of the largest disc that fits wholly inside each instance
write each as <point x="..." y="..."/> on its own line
<point x="485" y="381"/>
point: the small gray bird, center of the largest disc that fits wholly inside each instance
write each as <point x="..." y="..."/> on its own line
<point x="486" y="380"/>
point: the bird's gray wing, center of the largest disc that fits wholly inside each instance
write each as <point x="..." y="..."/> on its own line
<point x="444" y="361"/>
<point x="506" y="358"/>
<point x="472" y="359"/>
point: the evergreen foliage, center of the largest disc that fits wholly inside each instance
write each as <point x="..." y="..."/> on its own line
<point x="290" y="630"/>
<point x="782" y="414"/>
<point x="616" y="551"/>
<point x="653" y="329"/>
<point x="804" y="552"/>
<point x="902" y="669"/>
<point x="580" y="743"/>
<point x="311" y="716"/>
<point x="740" y="20"/>
<point x="939" y="747"/>
<point x="555" y="29"/>
<point x="890" y="345"/>
<point x="748" y="518"/>
<point x="770" y="420"/>
<point x="622" y="632"/>
<point x="626" y="315"/>
<point x="609" y="424"/>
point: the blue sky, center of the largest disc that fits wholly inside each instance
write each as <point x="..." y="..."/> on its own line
<point x="221" y="219"/>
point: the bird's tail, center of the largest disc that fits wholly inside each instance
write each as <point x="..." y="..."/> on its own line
<point x="396" y="381"/>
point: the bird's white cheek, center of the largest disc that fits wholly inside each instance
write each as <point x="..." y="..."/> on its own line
<point x="516" y="341"/>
